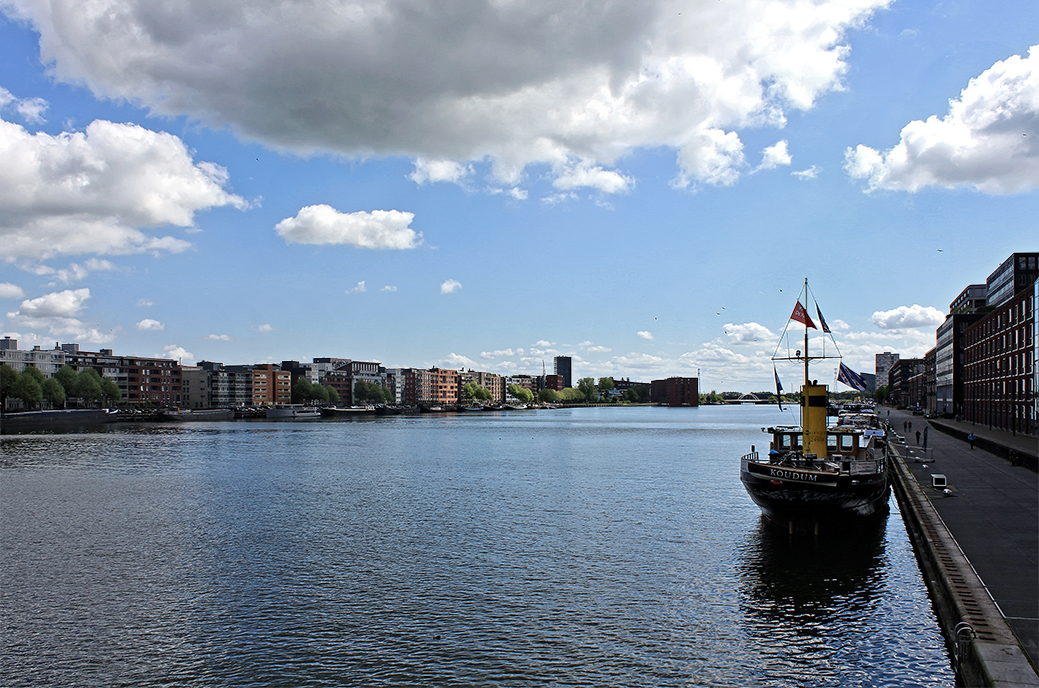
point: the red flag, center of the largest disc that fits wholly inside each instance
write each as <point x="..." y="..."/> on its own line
<point x="801" y="316"/>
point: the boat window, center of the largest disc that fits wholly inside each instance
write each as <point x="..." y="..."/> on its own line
<point x="847" y="442"/>
<point x="831" y="441"/>
<point x="784" y="441"/>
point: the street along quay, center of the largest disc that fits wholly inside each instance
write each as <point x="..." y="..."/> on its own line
<point x="974" y="519"/>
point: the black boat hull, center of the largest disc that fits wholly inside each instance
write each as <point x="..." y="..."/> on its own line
<point x="801" y="503"/>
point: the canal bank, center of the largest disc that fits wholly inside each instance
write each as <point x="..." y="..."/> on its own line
<point x="974" y="520"/>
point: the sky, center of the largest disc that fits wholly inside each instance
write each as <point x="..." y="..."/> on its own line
<point x="487" y="184"/>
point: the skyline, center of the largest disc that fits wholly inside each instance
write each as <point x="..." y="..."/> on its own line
<point x="491" y="185"/>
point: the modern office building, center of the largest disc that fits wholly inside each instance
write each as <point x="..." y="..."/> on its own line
<point x="1000" y="361"/>
<point x="1016" y="274"/>
<point x="563" y="366"/>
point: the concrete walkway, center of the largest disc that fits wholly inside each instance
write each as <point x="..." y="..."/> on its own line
<point x="991" y="509"/>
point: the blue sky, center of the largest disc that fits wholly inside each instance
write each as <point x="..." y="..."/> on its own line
<point x="490" y="184"/>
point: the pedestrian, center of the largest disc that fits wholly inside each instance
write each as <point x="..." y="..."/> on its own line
<point x="918" y="437"/>
<point x="971" y="438"/>
<point x="910" y="425"/>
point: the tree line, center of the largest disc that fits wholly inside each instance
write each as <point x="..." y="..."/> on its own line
<point x="33" y="388"/>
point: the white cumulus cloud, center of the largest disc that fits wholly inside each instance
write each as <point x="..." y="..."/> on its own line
<point x="59" y="304"/>
<point x="450" y="286"/>
<point x="644" y="334"/>
<point x="510" y="83"/>
<point x="774" y="156"/>
<point x="57" y="314"/>
<point x="323" y="224"/>
<point x="989" y="141"/>
<point x="149" y="325"/>
<point x="747" y="333"/>
<point x="178" y="353"/>
<point x="11" y="291"/>
<point x="909" y="317"/>
<point x="432" y="171"/>
<point x="219" y="337"/>
<point x="95" y="191"/>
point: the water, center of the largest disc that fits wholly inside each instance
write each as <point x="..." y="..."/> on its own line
<point x="570" y="547"/>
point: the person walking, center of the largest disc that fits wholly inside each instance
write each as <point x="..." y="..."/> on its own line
<point x="971" y="438"/>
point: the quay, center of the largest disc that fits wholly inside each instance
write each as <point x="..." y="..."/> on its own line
<point x="973" y="518"/>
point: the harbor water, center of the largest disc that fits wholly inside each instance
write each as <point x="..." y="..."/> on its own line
<point x="592" y="546"/>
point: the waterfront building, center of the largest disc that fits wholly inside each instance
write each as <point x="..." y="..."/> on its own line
<point x="882" y="365"/>
<point x="344" y="378"/>
<point x="1000" y="361"/>
<point x="971" y="300"/>
<point x="141" y="379"/>
<point x="271" y="385"/>
<point x="433" y="387"/>
<point x="554" y="382"/>
<point x="1016" y="274"/>
<point x="525" y="381"/>
<point x="563" y="366"/>
<point x="906" y="383"/>
<point x="675" y="391"/>
<point x="949" y="361"/>
<point x="930" y="381"/>
<point x="228" y="386"/>
<point x="395" y="383"/>
<point x="194" y="387"/>
<point x="492" y="382"/>
<point x="322" y="366"/>
<point x="47" y="361"/>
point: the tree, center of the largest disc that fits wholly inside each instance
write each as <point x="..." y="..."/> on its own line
<point x="880" y="395"/>
<point x="8" y="376"/>
<point x="110" y="391"/>
<point x="27" y="389"/>
<point x="88" y="386"/>
<point x="570" y="394"/>
<point x="548" y="396"/>
<point x="331" y="394"/>
<point x="67" y="377"/>
<point x="54" y="392"/>
<point x="586" y="386"/>
<point x="521" y="393"/>
<point x="371" y="392"/>
<point x="301" y="390"/>
<point x="475" y="391"/>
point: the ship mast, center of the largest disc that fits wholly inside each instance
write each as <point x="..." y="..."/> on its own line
<point x="806" y="332"/>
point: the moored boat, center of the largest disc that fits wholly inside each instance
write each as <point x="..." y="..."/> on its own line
<point x="57" y="419"/>
<point x="293" y="412"/>
<point x="816" y="473"/>
<point x="178" y="414"/>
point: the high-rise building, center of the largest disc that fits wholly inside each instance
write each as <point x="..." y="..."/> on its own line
<point x="563" y="366"/>
<point x="1017" y="273"/>
<point x="884" y="363"/>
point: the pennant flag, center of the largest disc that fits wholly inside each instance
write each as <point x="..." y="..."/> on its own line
<point x="779" y="388"/>
<point x="801" y="316"/>
<point x="851" y="378"/>
<point x="822" y="320"/>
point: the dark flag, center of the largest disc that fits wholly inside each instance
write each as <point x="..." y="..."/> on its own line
<point x="851" y="378"/>
<point x="779" y="388"/>
<point x="801" y="316"/>
<point x="822" y="320"/>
